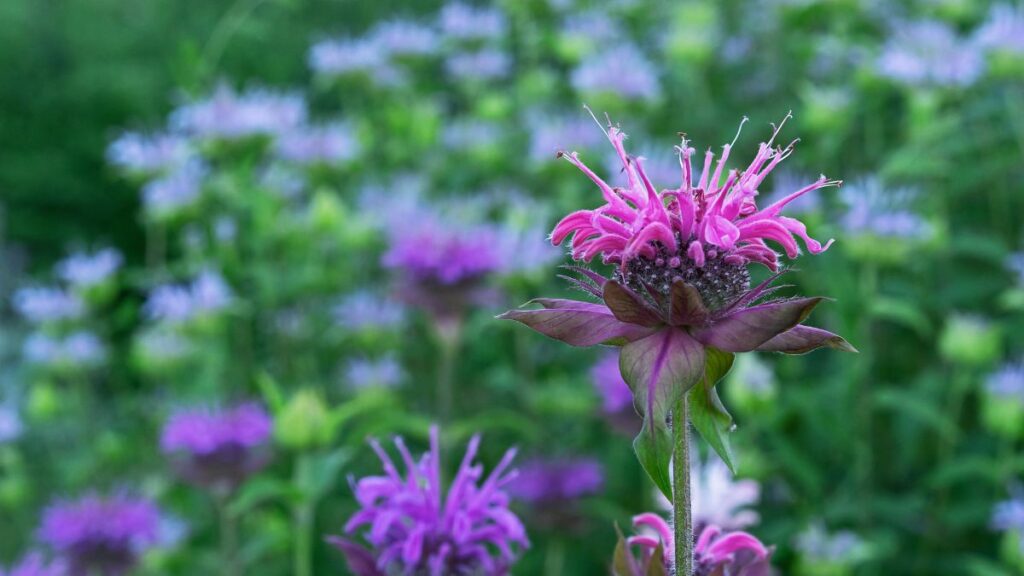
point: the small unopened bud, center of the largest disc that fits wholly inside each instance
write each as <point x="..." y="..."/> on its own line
<point x="304" y="423"/>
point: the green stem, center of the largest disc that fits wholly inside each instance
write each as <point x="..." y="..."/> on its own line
<point x="681" y="509"/>
<point x="228" y="538"/>
<point x="554" y="559"/>
<point x="450" y="335"/>
<point x="303" y="519"/>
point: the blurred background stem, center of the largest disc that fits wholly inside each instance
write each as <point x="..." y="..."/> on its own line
<point x="302" y="520"/>
<point x="228" y="537"/>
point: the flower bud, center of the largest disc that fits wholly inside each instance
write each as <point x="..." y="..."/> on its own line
<point x="304" y="422"/>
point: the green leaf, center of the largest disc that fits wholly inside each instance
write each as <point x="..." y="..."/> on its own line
<point x="259" y="491"/>
<point x="707" y="413"/>
<point x="659" y="369"/>
<point x="657" y="566"/>
<point x="653" y="447"/>
<point x="318" y="472"/>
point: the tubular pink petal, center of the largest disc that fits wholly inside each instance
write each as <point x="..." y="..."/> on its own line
<point x="705" y="172"/>
<point x="653" y="232"/>
<point x="570" y="224"/>
<point x="721" y="232"/>
<point x="705" y="538"/>
<point x="770" y="230"/>
<point x="726" y="546"/>
<point x="696" y="253"/>
<point x="797" y="227"/>
<point x="658" y="524"/>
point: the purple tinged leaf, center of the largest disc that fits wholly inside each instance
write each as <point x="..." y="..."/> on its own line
<point x="803" y="339"/>
<point x="628" y="306"/>
<point x="587" y="287"/>
<point x="746" y="329"/>
<point x="576" y="323"/>
<point x="359" y="559"/>
<point x="660" y="368"/>
<point x="688" y="307"/>
<point x="584" y="271"/>
<point x="707" y="413"/>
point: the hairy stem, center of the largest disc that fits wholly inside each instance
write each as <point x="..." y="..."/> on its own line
<point x="681" y="510"/>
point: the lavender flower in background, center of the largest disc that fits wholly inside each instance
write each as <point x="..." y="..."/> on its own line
<point x="621" y="70"/>
<point x="662" y="168"/>
<point x="485" y="64"/>
<point x="207" y="294"/>
<point x="545" y="481"/>
<point x="929" y="53"/>
<point x="874" y="210"/>
<point x="383" y="372"/>
<point x="443" y="253"/>
<point x="365" y="56"/>
<point x="721" y="500"/>
<point x="465" y="22"/>
<point x="11" y="426"/>
<point x="616" y="396"/>
<point x="84" y="270"/>
<point x="471" y="134"/>
<point x="1007" y="383"/>
<point x="526" y="250"/>
<point x="229" y="115"/>
<point x="366" y="310"/>
<point x="174" y="191"/>
<point x="41" y="304"/>
<point x="97" y="534"/>
<point x="553" y="487"/>
<point x="1003" y="30"/>
<point x="218" y="449"/>
<point x="318" y="144"/>
<point x="820" y="547"/>
<point x="78" y="349"/>
<point x="149" y="154"/>
<point x="784" y="182"/>
<point x="1015" y="263"/>
<point x="551" y="133"/>
<point x="405" y="38"/>
<point x="592" y="28"/>
<point x="36" y="565"/>
<point x="160" y="346"/>
<point x="284" y="181"/>
<point x="1008" y="515"/>
<point x="413" y="526"/>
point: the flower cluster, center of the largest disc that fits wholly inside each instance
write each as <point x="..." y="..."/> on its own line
<point x="414" y="526"/>
<point x="98" y="534"/>
<point x="218" y="449"/>
<point x="36" y="565"/>
<point x="208" y="293"/>
<point x="716" y="553"/>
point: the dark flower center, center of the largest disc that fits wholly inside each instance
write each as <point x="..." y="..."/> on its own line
<point x="718" y="282"/>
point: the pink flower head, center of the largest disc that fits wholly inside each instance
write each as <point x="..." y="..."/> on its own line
<point x="413" y="526"/>
<point x="716" y="553"/>
<point x="713" y="218"/>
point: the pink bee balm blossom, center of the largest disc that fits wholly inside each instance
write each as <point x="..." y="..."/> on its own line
<point x="702" y="221"/>
<point x="716" y="553"/>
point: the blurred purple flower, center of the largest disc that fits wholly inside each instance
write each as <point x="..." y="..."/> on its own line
<point x="873" y="209"/>
<point x="11" y="425"/>
<point x="1016" y="265"/>
<point x="383" y="372"/>
<point x="228" y="114"/>
<point x="365" y="310"/>
<point x="465" y="22"/>
<point x="39" y="304"/>
<point x="142" y="153"/>
<point x="550" y="134"/>
<point x="484" y="64"/>
<point x="469" y="134"/>
<point x="405" y="38"/>
<point x="98" y="534"/>
<point x="414" y="527"/>
<point x="175" y="190"/>
<point x="163" y="345"/>
<point x="1008" y="515"/>
<point x="721" y="500"/>
<point x="1007" y="382"/>
<point x="783" y="183"/>
<point x="595" y="27"/>
<point x="616" y="396"/>
<point x="284" y="181"/>
<point x="365" y="56"/>
<point x="929" y="53"/>
<point x="661" y="166"/>
<point x="544" y="482"/>
<point x="527" y="250"/>
<point x="208" y="293"/>
<point x="36" y="565"/>
<point x="84" y="270"/>
<point x="218" y="449"/>
<point x="318" y="144"/>
<point x="81" y="348"/>
<point x="443" y="252"/>
<point x="1003" y="30"/>
<point x="817" y="543"/>
<point x="621" y="70"/>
